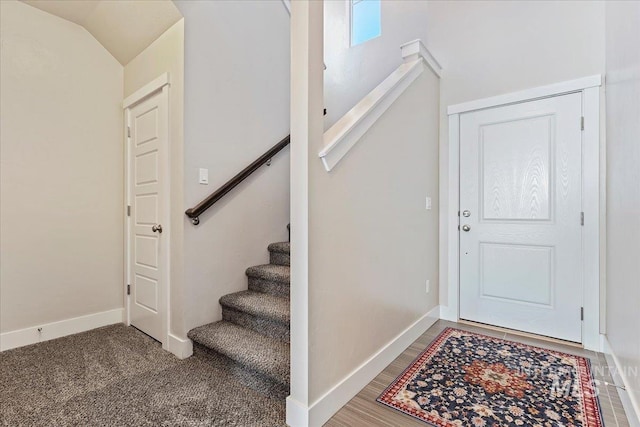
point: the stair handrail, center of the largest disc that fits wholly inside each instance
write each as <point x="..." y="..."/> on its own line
<point x="195" y="212"/>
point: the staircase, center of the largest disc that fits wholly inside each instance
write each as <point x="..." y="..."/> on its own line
<point x="253" y="335"/>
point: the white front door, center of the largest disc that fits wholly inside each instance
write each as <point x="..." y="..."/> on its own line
<point x="147" y="244"/>
<point x="520" y="216"/>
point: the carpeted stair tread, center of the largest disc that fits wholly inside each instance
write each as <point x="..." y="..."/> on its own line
<point x="280" y="247"/>
<point x="265" y="355"/>
<point x="276" y="273"/>
<point x="258" y="304"/>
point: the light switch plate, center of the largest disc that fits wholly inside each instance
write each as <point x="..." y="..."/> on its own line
<point x="428" y="204"/>
<point x="203" y="176"/>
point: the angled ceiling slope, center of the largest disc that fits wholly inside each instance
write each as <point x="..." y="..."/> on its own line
<point x="124" y="27"/>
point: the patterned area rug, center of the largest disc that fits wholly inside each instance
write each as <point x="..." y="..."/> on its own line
<point x="468" y="379"/>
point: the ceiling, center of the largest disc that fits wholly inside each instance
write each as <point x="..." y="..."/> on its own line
<point x="124" y="27"/>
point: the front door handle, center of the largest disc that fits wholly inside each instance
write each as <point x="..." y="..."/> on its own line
<point x="157" y="228"/>
<point x="466" y="228"/>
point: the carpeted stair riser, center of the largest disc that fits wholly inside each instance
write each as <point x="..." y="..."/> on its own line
<point x="264" y="313"/>
<point x="261" y="325"/>
<point x="278" y="258"/>
<point x="248" y="377"/>
<point x="279" y="253"/>
<point x="256" y="352"/>
<point x="277" y="273"/>
<point x="270" y="278"/>
<point x="278" y="289"/>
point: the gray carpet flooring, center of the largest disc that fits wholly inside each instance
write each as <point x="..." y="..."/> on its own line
<point x="117" y="376"/>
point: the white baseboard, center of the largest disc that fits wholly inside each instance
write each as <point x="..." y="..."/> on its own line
<point x="297" y="413"/>
<point x="325" y="407"/>
<point x="181" y="348"/>
<point x="49" y="331"/>
<point x="630" y="401"/>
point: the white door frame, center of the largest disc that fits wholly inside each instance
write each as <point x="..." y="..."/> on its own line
<point x="589" y="87"/>
<point x="160" y="84"/>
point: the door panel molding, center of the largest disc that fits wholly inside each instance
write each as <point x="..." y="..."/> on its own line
<point x="548" y="255"/>
<point x="591" y="185"/>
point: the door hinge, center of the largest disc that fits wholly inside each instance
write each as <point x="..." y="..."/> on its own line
<point x="129" y="131"/>
<point x="128" y="210"/>
<point x="581" y="218"/>
<point x="128" y="289"/>
<point x="581" y="313"/>
<point x="582" y="123"/>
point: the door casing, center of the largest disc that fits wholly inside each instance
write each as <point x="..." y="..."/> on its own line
<point x="158" y="85"/>
<point x="592" y="182"/>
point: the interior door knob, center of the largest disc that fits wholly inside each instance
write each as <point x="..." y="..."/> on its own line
<point x="157" y="228"/>
<point x="466" y="227"/>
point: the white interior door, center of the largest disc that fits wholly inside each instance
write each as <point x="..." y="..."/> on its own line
<point x="148" y="123"/>
<point x="520" y="216"/>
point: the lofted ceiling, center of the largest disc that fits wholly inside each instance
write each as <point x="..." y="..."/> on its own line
<point x="124" y="27"/>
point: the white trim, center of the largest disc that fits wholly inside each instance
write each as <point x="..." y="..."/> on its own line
<point x="146" y="90"/>
<point x="160" y="83"/>
<point x="346" y="132"/>
<point x="416" y="49"/>
<point x="630" y="402"/>
<point x="165" y="217"/>
<point x="127" y="223"/>
<point x="181" y="348"/>
<point x="326" y="406"/>
<point x="306" y="131"/>
<point x="287" y="6"/>
<point x="449" y="215"/>
<point x="590" y="198"/>
<point x="591" y="209"/>
<point x="555" y="89"/>
<point x="62" y="328"/>
<point x="297" y="413"/>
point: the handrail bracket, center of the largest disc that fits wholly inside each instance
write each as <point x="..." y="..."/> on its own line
<point x="195" y="212"/>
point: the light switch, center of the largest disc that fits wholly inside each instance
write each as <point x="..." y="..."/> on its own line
<point x="428" y="204"/>
<point x="203" y="176"/>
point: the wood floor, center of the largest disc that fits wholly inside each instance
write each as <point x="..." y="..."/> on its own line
<point x="363" y="410"/>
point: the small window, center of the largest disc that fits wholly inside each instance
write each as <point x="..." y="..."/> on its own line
<point x="365" y="20"/>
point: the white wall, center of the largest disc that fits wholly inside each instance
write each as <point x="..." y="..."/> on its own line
<point x="61" y="176"/>
<point x="352" y="72"/>
<point x="489" y="48"/>
<point x="236" y="107"/>
<point x="166" y="54"/>
<point x="623" y="188"/>
<point x="372" y="244"/>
